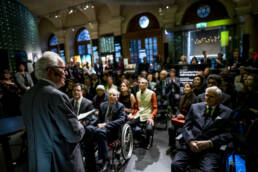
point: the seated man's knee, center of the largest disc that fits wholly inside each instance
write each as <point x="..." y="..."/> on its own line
<point x="149" y="129"/>
<point x="176" y="167"/>
<point x="101" y="132"/>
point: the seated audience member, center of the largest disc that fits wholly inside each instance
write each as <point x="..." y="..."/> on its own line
<point x="144" y="65"/>
<point x="215" y="80"/>
<point x="173" y="89"/>
<point x="156" y="77"/>
<point x="144" y="74"/>
<point x="206" y="129"/>
<point x="100" y="97"/>
<point x="206" y="73"/>
<point x="88" y="90"/>
<point x="145" y="109"/>
<point x="111" y="118"/>
<point x="185" y="103"/>
<point x="23" y="79"/>
<point x="194" y="60"/>
<point x="135" y="88"/>
<point x="198" y="85"/>
<point x="110" y="84"/>
<point x="220" y="63"/>
<point x="53" y="130"/>
<point x="126" y="97"/>
<point x="10" y="95"/>
<point x="94" y="81"/>
<point x="247" y="103"/>
<point x="235" y="61"/>
<point x="182" y="60"/>
<point x="81" y="105"/>
<point x="161" y="90"/>
<point x="238" y="80"/>
<point x="150" y="81"/>
<point x="69" y="88"/>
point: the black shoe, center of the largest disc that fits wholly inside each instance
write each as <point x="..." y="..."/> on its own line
<point x="105" y="166"/>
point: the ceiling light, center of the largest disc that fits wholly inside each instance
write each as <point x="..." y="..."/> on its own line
<point x="70" y="11"/>
<point x="92" y="6"/>
<point x="167" y="7"/>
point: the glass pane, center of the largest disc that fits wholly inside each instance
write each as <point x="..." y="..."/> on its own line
<point x="83" y="36"/>
<point x="54" y="50"/>
<point x="88" y="48"/>
<point x="53" y="41"/>
<point x="81" y="49"/>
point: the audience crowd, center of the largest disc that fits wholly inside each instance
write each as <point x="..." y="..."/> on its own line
<point x="226" y="90"/>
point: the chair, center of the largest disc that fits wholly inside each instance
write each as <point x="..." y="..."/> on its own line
<point x="122" y="146"/>
<point x="140" y="130"/>
<point x="162" y="117"/>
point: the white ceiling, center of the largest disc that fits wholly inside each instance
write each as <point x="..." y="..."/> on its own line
<point x="42" y="7"/>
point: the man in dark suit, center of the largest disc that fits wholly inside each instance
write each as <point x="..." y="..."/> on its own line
<point x="144" y="66"/>
<point x="205" y="59"/>
<point x="53" y="130"/>
<point x="111" y="118"/>
<point x="161" y="90"/>
<point x="173" y="89"/>
<point x="215" y="80"/>
<point x="98" y="67"/>
<point x="80" y="104"/>
<point x="205" y="130"/>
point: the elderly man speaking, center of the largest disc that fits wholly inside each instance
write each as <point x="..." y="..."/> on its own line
<point x="53" y="129"/>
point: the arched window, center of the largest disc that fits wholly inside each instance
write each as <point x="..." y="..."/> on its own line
<point x="143" y="39"/>
<point x="82" y="42"/>
<point x="53" y="43"/>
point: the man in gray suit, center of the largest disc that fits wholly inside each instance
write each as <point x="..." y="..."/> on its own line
<point x="53" y="129"/>
<point x="206" y="128"/>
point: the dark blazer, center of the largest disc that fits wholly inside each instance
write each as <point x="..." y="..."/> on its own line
<point x="226" y="99"/>
<point x="200" y="127"/>
<point x="53" y="130"/>
<point x="158" y="90"/>
<point x="118" y="115"/>
<point x="98" y="70"/>
<point x="86" y="105"/>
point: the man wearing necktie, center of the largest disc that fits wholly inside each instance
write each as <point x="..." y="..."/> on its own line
<point x="111" y="118"/>
<point x="81" y="105"/>
<point x="206" y="128"/>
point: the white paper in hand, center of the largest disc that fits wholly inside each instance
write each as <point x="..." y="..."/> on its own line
<point x="84" y="115"/>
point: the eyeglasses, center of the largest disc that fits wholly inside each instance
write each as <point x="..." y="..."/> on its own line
<point x="59" y="67"/>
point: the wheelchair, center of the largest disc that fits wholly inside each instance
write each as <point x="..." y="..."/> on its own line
<point x="122" y="146"/>
<point x="121" y="149"/>
<point x="140" y="131"/>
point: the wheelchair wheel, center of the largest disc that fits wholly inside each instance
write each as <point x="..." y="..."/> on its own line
<point x="127" y="142"/>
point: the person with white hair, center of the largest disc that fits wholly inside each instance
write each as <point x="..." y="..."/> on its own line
<point x="206" y="129"/>
<point x="111" y="117"/>
<point x="53" y="129"/>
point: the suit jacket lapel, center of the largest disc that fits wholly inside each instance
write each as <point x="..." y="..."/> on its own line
<point x="211" y="120"/>
<point x="201" y="116"/>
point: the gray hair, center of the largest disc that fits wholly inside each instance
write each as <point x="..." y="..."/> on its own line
<point x="145" y="80"/>
<point x="113" y="91"/>
<point x="48" y="59"/>
<point x="215" y="89"/>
